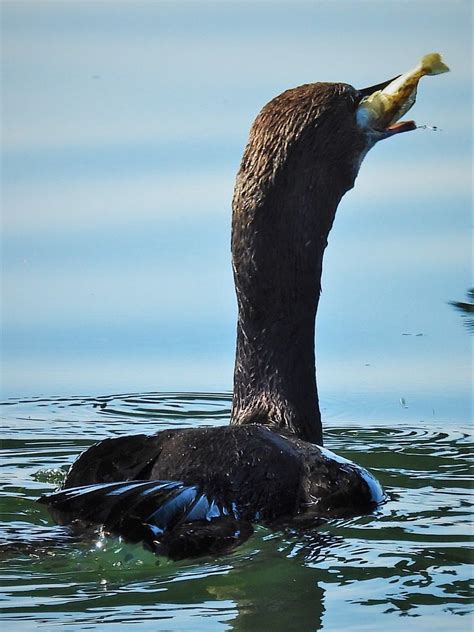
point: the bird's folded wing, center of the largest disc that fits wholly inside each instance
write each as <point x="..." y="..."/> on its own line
<point x="168" y="516"/>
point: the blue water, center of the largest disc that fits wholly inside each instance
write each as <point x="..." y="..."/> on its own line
<point x="122" y="130"/>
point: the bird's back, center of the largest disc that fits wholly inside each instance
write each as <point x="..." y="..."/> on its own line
<point x="196" y="491"/>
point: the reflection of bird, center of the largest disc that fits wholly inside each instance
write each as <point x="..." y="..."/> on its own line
<point x="193" y="491"/>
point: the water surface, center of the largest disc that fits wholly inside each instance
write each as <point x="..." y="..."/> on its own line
<point x="409" y="560"/>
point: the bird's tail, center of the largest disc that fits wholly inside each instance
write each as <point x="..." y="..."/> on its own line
<point x="169" y="517"/>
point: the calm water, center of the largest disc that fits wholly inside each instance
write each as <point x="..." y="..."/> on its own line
<point x="406" y="565"/>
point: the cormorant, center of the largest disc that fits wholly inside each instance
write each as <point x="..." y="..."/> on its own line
<point x="193" y="491"/>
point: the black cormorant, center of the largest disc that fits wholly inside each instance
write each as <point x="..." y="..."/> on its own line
<point x="192" y="491"/>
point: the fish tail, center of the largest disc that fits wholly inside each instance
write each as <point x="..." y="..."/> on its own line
<point x="432" y="64"/>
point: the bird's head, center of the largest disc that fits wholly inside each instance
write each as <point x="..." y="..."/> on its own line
<point x="306" y="145"/>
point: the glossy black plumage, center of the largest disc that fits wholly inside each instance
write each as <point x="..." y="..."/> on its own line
<point x="181" y="481"/>
<point x="167" y="516"/>
<point x="304" y="152"/>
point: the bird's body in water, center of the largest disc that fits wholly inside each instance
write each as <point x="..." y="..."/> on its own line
<point x="196" y="491"/>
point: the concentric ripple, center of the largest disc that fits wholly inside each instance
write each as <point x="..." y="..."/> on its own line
<point x="409" y="559"/>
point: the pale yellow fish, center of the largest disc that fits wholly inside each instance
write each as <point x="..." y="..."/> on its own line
<point x="385" y="107"/>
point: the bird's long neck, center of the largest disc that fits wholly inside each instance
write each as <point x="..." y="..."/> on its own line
<point x="303" y="154"/>
<point x="275" y="377"/>
<point x="277" y="246"/>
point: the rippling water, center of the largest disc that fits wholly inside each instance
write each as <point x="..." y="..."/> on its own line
<point x="408" y="560"/>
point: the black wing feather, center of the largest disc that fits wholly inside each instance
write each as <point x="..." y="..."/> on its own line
<point x="168" y="516"/>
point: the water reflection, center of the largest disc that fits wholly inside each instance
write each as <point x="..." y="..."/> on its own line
<point x="276" y="592"/>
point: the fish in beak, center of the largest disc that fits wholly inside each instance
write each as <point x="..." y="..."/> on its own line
<point x="382" y="106"/>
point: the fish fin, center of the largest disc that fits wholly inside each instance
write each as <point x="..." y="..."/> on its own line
<point x="169" y="517"/>
<point x="432" y="64"/>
